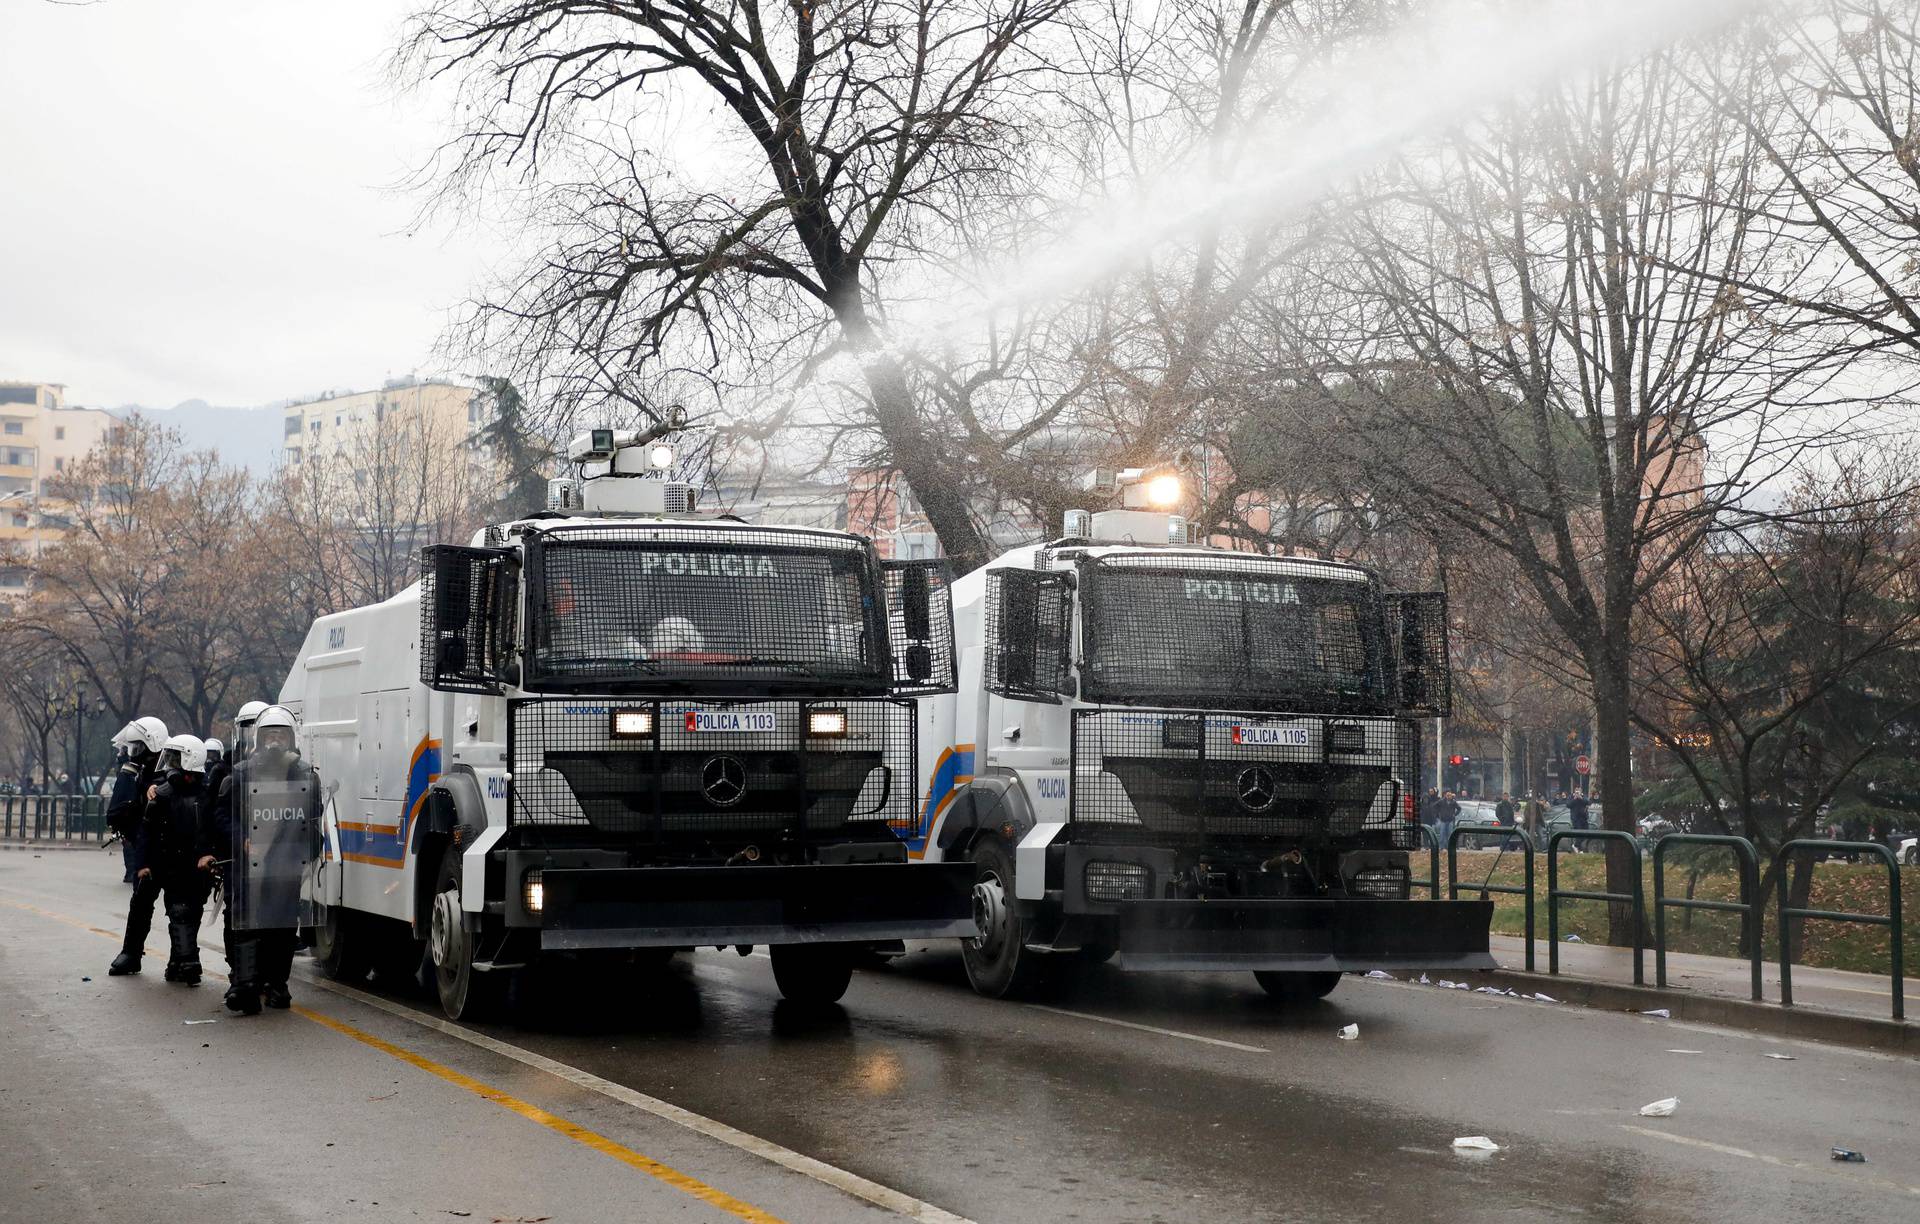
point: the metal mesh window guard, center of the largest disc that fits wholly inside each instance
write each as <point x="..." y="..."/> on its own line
<point x="1425" y="669"/>
<point x="1171" y="775"/>
<point x="920" y="624"/>
<point x="1029" y="626"/>
<point x="708" y="769"/>
<point x="719" y="609"/>
<point x="1211" y="629"/>
<point x="469" y="599"/>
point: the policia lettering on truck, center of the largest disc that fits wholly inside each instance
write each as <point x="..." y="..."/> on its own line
<point x="1180" y="757"/>
<point x="651" y="728"/>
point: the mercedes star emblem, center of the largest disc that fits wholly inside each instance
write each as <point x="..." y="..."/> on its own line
<point x="1256" y="788"/>
<point x="723" y="780"/>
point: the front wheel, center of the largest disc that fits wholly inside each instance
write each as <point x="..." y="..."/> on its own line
<point x="812" y="974"/>
<point x="339" y="944"/>
<point x="465" y="992"/>
<point x="1296" y="987"/>
<point x="998" y="962"/>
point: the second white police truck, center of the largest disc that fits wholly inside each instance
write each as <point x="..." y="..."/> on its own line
<point x="622" y="726"/>
<point x="1182" y="757"/>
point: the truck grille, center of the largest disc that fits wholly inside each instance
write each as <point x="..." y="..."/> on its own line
<point x="673" y="781"/>
<point x="1173" y="775"/>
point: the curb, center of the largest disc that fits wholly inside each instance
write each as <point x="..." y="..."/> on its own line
<point x="36" y="846"/>
<point x="1801" y="1022"/>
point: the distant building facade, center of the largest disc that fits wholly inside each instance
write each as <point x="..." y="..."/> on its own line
<point x="40" y="439"/>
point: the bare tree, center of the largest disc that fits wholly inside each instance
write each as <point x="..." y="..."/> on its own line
<point x="1541" y="358"/>
<point x="848" y="136"/>
<point x="1786" y="659"/>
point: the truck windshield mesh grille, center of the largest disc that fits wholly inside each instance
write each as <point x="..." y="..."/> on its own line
<point x="712" y="609"/>
<point x="1255" y="632"/>
<point x="1179" y="775"/>
<point x="683" y="770"/>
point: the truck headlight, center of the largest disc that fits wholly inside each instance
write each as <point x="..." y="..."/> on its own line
<point x="1380" y="883"/>
<point x="533" y="891"/>
<point x="1346" y="737"/>
<point x="632" y="724"/>
<point x="827" y="723"/>
<point x="1114" y="881"/>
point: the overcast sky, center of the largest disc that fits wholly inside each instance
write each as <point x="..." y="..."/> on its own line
<point x="198" y="202"/>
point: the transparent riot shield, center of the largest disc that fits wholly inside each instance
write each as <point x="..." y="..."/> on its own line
<point x="273" y="855"/>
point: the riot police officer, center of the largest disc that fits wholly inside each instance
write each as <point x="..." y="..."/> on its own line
<point x="169" y="851"/>
<point x="266" y="860"/>
<point x="243" y="721"/>
<point x="218" y="767"/>
<point x="126" y="810"/>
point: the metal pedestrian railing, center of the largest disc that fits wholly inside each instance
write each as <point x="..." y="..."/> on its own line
<point x="1431" y="841"/>
<point x="53" y="818"/>
<point x="1526" y="890"/>
<point x="1748" y="907"/>
<point x="1784" y="865"/>
<point x="1555" y="894"/>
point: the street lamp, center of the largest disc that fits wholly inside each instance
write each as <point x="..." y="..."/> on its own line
<point x="81" y="713"/>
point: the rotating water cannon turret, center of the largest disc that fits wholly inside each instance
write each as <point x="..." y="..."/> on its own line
<point x="624" y="471"/>
<point x="1147" y="497"/>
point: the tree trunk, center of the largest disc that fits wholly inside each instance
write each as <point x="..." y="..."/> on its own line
<point x="925" y="465"/>
<point x="1612" y="731"/>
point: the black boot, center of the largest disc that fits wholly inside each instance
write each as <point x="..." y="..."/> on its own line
<point x="183" y="930"/>
<point x="276" y="995"/>
<point x="243" y="960"/>
<point x="139" y="922"/>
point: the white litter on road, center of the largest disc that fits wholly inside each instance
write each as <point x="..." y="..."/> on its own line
<point x="199" y="1022"/>
<point x="1574" y="939"/>
<point x="1350" y="1033"/>
<point x="1686" y="1051"/>
<point x="1424" y="980"/>
<point x="1541" y="998"/>
<point x="1661" y="1012"/>
<point x="1785" y="1057"/>
<point x="1475" y="1143"/>
<point x="1381" y="974"/>
<point x="1660" y="1109"/>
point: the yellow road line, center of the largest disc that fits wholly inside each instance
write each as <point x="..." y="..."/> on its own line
<point x="579" y="1134"/>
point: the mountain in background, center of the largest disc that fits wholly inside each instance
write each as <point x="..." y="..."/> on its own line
<point x="243" y="437"/>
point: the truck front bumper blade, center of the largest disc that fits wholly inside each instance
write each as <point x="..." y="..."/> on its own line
<point x="1304" y="935"/>
<point x="641" y="907"/>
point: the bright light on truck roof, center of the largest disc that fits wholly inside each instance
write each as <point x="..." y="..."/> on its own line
<point x="1164" y="490"/>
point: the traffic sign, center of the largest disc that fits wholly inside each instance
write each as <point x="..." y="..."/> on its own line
<point x="1581" y="765"/>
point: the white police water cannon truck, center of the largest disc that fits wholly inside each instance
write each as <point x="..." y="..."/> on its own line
<point x="620" y="727"/>
<point x="1181" y="757"/>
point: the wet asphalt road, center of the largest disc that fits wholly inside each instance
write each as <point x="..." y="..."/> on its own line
<point x="1119" y="1097"/>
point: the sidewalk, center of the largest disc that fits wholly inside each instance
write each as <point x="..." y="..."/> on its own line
<point x="1829" y="1004"/>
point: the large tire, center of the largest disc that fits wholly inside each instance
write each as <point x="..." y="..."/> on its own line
<point x="1296" y="987"/>
<point x="998" y="962"/>
<point x="465" y="992"/>
<point x="812" y="975"/>
<point x="340" y="943"/>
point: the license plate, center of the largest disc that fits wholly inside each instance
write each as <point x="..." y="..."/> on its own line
<point x="730" y="720"/>
<point x="1273" y="737"/>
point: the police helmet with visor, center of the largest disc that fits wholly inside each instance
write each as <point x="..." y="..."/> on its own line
<point x="274" y="729"/>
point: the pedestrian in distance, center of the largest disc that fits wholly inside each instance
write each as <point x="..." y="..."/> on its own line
<point x="262" y="894"/>
<point x="1577" y="807"/>
<point x="126" y="814"/>
<point x="1503" y="810"/>
<point x="169" y="851"/>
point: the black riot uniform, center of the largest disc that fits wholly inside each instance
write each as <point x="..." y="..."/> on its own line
<point x="126" y="814"/>
<point x="260" y="959"/>
<point x="170" y="848"/>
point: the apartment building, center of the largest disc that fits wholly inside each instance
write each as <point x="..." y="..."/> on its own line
<point x="340" y="424"/>
<point x="40" y="438"/>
